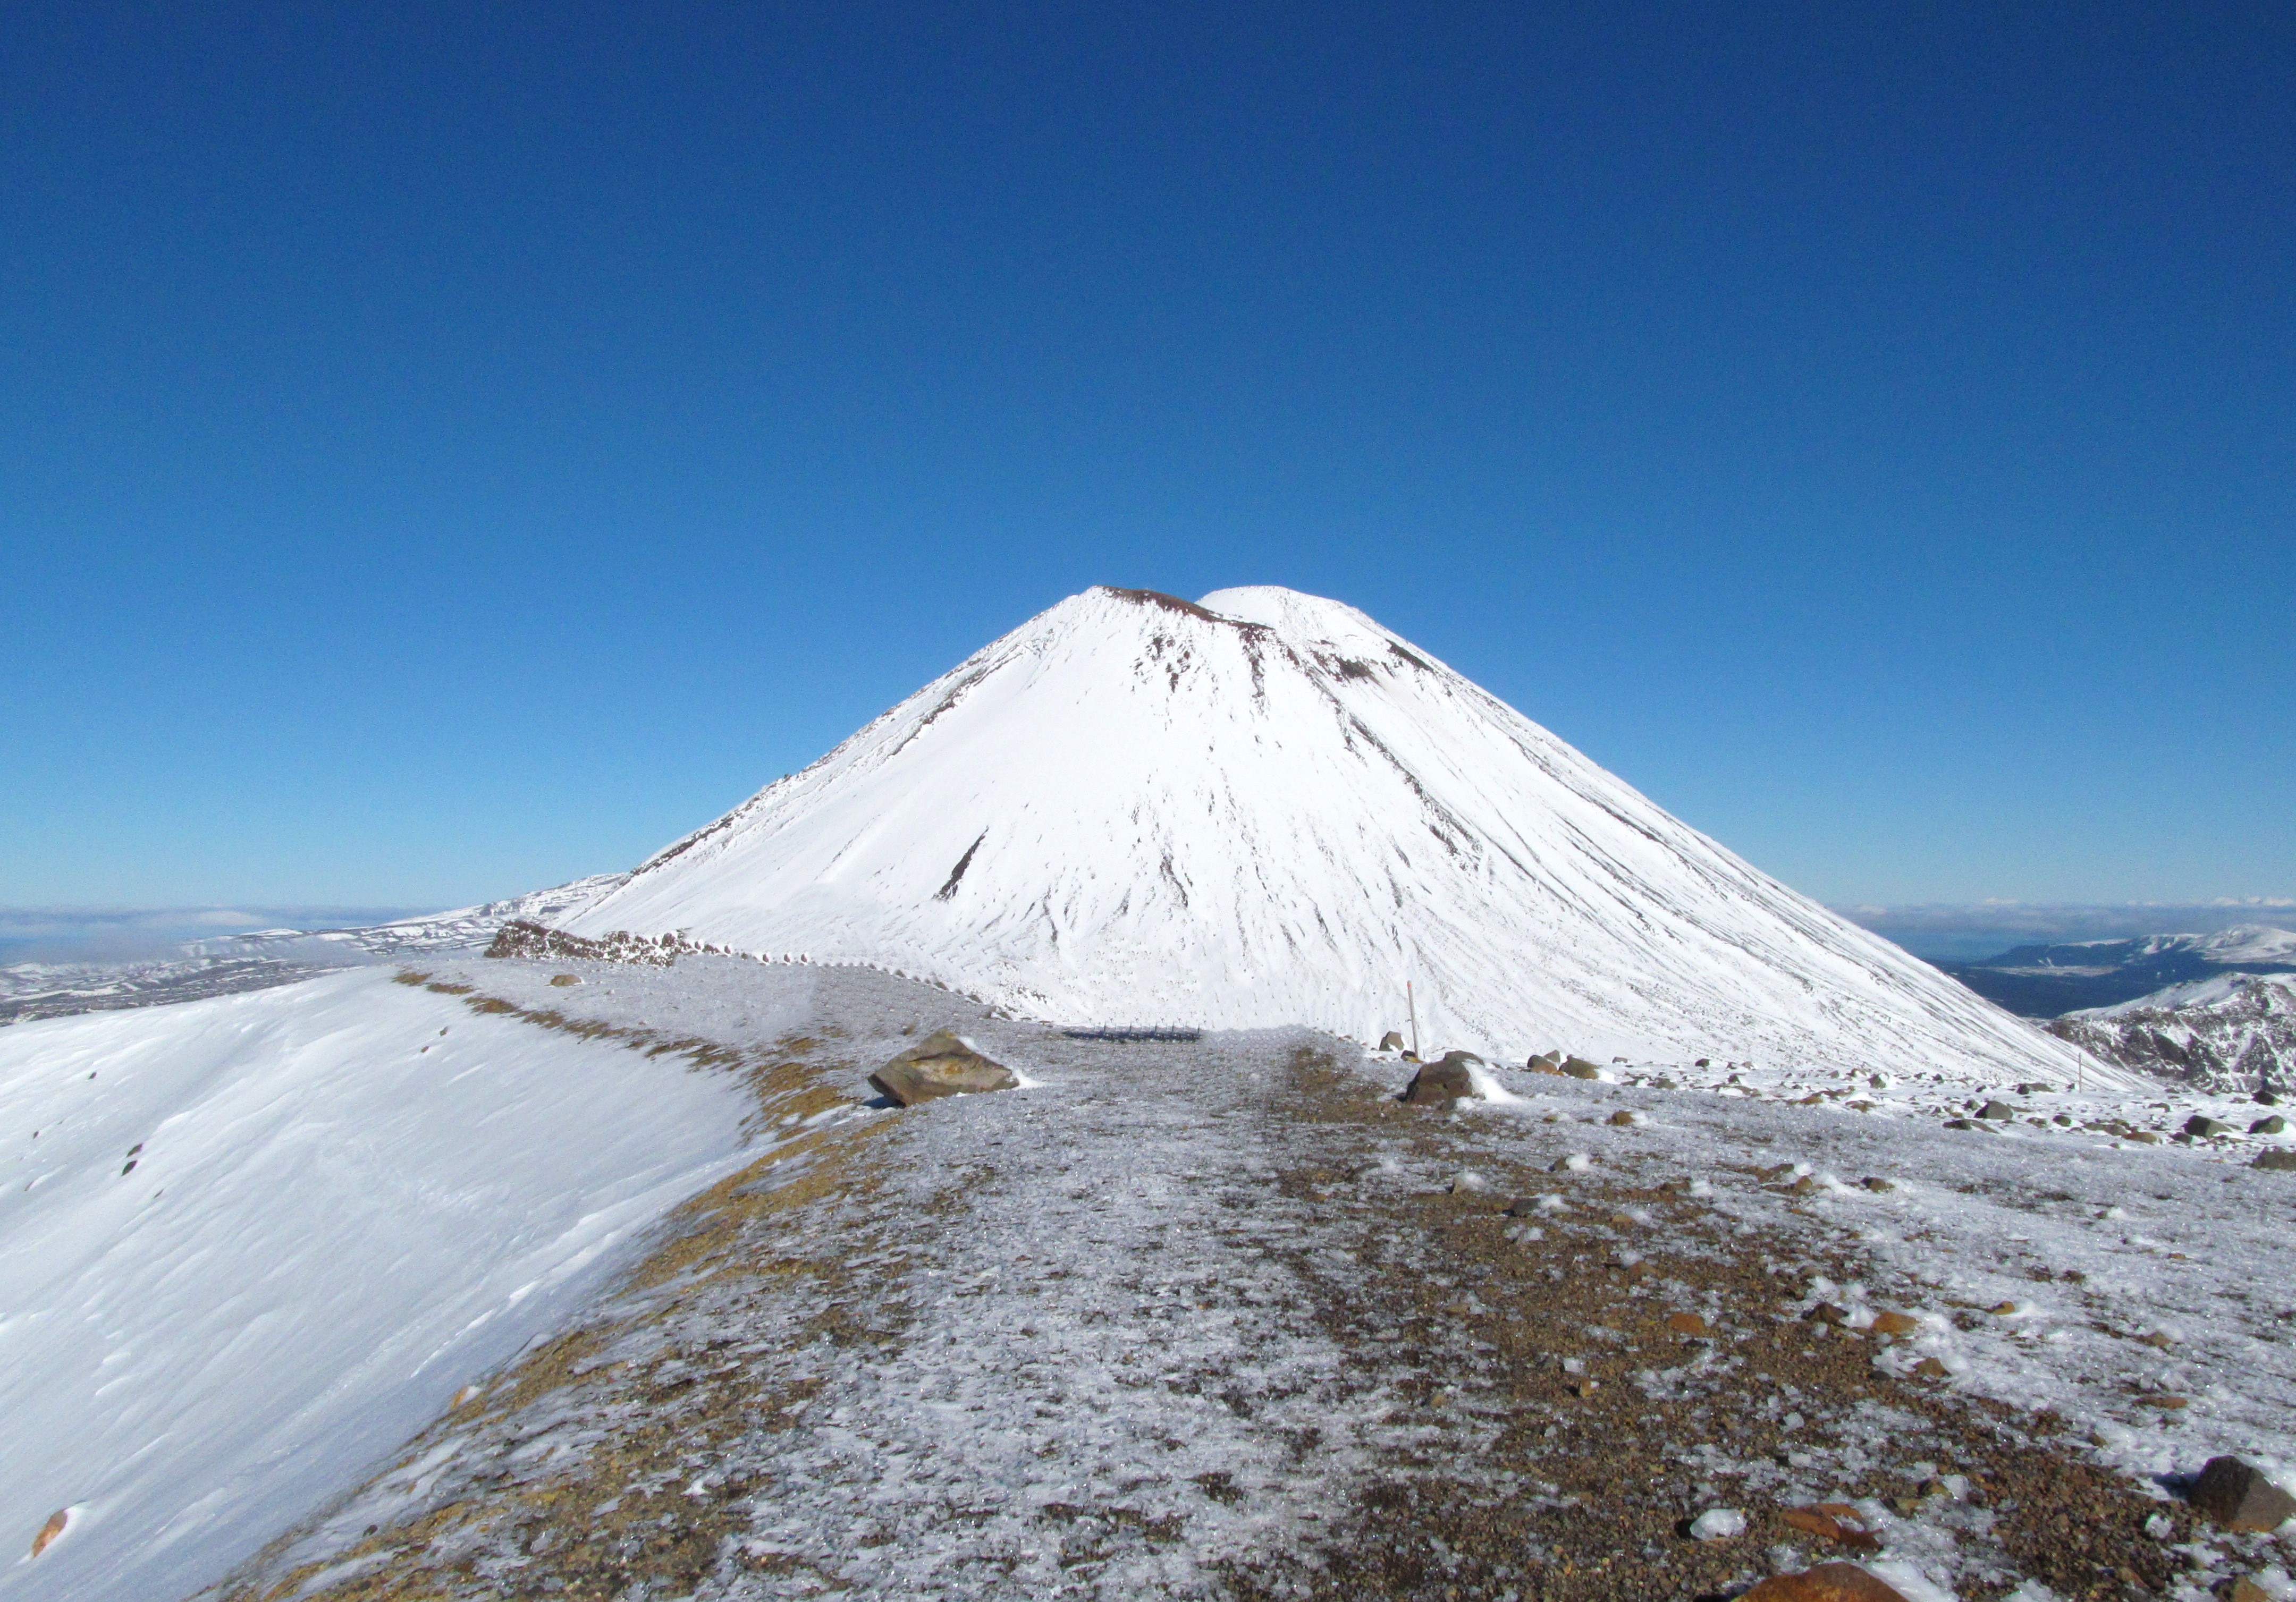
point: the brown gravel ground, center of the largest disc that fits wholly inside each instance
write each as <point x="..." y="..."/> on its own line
<point x="1601" y="1485"/>
<point x="1525" y="1481"/>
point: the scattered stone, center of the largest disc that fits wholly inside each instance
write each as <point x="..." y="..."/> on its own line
<point x="2245" y="1589"/>
<point x="1895" y="1323"/>
<point x="1445" y="1081"/>
<point x="939" y="1065"/>
<point x="1622" y="1119"/>
<point x="2284" y="1161"/>
<point x="1579" y="1068"/>
<point x="1837" y="1522"/>
<point x="1391" y="1041"/>
<point x="1826" y="1312"/>
<point x="2274" y="1125"/>
<point x="1770" y="1176"/>
<point x="2143" y="1137"/>
<point x="1803" y="1185"/>
<point x="1997" y="1111"/>
<point x="2238" y="1495"/>
<point x="1582" y="1386"/>
<point x="1878" y="1185"/>
<point x="2166" y="1403"/>
<point x="1703" y="1062"/>
<point x="560" y="981"/>
<point x="1931" y="1367"/>
<point x="1718" y="1523"/>
<point x="2002" y="1310"/>
<point x="1685" y="1323"/>
<point x="2159" y="1338"/>
<point x="2200" y="1124"/>
<point x="1950" y="1123"/>
<point x="2267" y="1098"/>
<point x="55" y="1527"/>
<point x="1468" y="1181"/>
<point x="1827" y="1582"/>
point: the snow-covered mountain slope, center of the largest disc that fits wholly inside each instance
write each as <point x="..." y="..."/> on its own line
<point x="2235" y="1031"/>
<point x="248" y="1244"/>
<point x="1265" y="809"/>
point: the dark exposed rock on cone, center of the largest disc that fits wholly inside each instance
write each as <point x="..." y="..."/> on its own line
<point x="1579" y="1068"/>
<point x="939" y="1065"/>
<point x="2201" y="1123"/>
<point x="2237" y="1496"/>
<point x="1444" y="1081"/>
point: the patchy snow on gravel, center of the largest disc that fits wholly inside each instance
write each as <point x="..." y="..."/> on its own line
<point x="2140" y="1291"/>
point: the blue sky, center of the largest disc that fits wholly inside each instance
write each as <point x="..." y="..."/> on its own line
<point x="448" y="449"/>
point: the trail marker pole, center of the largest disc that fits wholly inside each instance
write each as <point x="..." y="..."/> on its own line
<point x="1410" y="1001"/>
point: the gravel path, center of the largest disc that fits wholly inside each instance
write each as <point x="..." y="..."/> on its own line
<point x="1223" y="1318"/>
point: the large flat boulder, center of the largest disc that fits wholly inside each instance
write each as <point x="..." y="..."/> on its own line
<point x="939" y="1065"/>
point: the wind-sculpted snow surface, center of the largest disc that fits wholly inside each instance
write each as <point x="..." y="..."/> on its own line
<point x="248" y="1244"/>
<point x="1265" y="809"/>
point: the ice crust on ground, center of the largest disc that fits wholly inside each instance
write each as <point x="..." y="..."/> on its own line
<point x="1265" y="810"/>
<point x="1111" y="1301"/>
<point x="348" y="1198"/>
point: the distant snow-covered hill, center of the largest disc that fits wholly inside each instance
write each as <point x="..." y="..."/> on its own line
<point x="2049" y="981"/>
<point x="1265" y="808"/>
<point x="2232" y="1032"/>
<point x="262" y="958"/>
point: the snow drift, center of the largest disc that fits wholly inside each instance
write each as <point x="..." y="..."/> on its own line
<point x="250" y="1243"/>
<point x="1264" y="809"/>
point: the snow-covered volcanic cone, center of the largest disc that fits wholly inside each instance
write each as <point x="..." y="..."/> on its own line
<point x="1265" y="808"/>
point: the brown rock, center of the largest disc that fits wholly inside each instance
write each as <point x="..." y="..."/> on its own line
<point x="1623" y="1119"/>
<point x="51" y="1529"/>
<point x="2245" y="1589"/>
<point x="1837" y="1522"/>
<point x="1444" y="1082"/>
<point x="1579" y="1068"/>
<point x="2001" y="1309"/>
<point x="1930" y="1368"/>
<point x="939" y="1065"/>
<point x="1391" y="1041"/>
<point x="1827" y="1582"/>
<point x="560" y="981"/>
<point x="2237" y="1496"/>
<point x="1895" y="1323"/>
<point x="1826" y="1312"/>
<point x="2283" y="1160"/>
<point x="1685" y="1323"/>
<point x="1803" y="1185"/>
<point x="1876" y="1184"/>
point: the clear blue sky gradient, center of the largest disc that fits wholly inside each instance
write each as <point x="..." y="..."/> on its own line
<point x="445" y="449"/>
